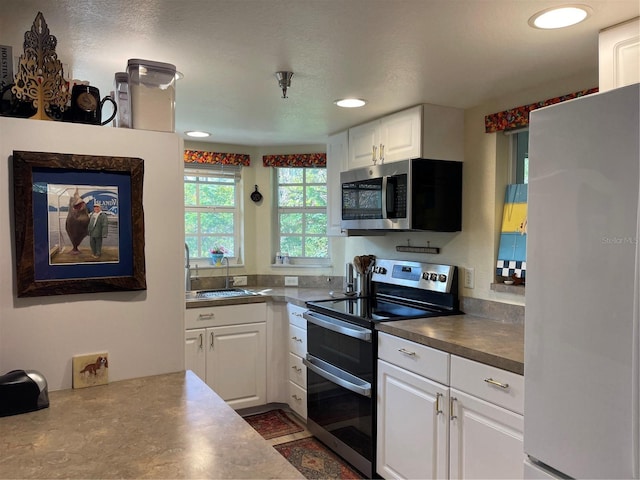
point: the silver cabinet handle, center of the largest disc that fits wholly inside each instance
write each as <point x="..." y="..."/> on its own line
<point x="296" y="339"/>
<point x="491" y="381"/>
<point x="296" y="397"/>
<point x="297" y="314"/>
<point x="438" y="411"/>
<point x="211" y="344"/>
<point x="201" y="341"/>
<point x="373" y="156"/>
<point x="297" y="369"/>
<point x="206" y="316"/>
<point x="381" y="153"/>
<point x="407" y="352"/>
<point x="452" y="415"/>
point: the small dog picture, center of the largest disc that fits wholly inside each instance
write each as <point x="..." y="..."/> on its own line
<point x="90" y="370"/>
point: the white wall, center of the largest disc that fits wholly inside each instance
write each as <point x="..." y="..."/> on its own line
<point x="142" y="331"/>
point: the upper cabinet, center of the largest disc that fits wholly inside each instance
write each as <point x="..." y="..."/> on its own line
<point x="619" y="55"/>
<point x="337" y="151"/>
<point x="424" y="131"/>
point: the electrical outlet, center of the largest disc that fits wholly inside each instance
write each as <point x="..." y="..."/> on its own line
<point x="290" y="281"/>
<point x="240" y="281"/>
<point x="469" y="277"/>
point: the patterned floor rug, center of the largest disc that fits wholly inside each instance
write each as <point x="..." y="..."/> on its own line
<point x="315" y="461"/>
<point x="273" y="424"/>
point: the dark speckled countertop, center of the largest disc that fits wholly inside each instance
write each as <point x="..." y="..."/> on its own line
<point x="496" y="343"/>
<point x="487" y="341"/>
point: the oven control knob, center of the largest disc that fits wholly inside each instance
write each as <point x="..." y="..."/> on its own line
<point x="380" y="270"/>
<point x="433" y="277"/>
<point x="442" y="277"/>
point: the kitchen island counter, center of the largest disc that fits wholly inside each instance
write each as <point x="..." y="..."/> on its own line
<point x="495" y="343"/>
<point x="164" y="426"/>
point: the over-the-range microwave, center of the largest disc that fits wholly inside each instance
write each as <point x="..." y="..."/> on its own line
<point x="416" y="194"/>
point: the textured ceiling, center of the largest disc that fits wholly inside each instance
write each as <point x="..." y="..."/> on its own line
<point x="394" y="53"/>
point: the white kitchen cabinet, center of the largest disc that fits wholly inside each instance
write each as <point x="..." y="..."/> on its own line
<point x="412" y="425"/>
<point x="231" y="343"/>
<point x="444" y="416"/>
<point x="486" y="434"/>
<point x="619" y="55"/>
<point x="337" y="153"/>
<point x="297" y="351"/>
<point x="412" y="410"/>
<point x="423" y="131"/>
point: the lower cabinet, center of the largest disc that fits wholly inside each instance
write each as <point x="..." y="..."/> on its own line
<point x="297" y="351"/>
<point x="229" y="352"/>
<point x="443" y="416"/>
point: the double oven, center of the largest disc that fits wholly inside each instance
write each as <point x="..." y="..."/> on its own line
<point x="342" y="351"/>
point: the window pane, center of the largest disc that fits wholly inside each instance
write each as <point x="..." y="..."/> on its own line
<point x="190" y="190"/>
<point x="316" y="175"/>
<point x="291" y="196"/>
<point x="290" y="175"/>
<point x="215" y="241"/>
<point x="291" y="245"/>
<point x="216" y="223"/>
<point x="190" y="223"/>
<point x="316" y="223"/>
<point x="217" y="195"/>
<point x="291" y="223"/>
<point x="317" y="247"/>
<point x="317" y="196"/>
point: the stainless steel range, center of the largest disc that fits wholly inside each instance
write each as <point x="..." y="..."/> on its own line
<point x="342" y="350"/>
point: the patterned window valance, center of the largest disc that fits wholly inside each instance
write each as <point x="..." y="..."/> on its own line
<point x="296" y="160"/>
<point x="215" y="158"/>
<point x="519" y="117"/>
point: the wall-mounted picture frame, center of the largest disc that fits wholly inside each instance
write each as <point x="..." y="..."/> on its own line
<point x="78" y="222"/>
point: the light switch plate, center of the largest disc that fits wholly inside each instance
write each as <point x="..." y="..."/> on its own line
<point x="240" y="281"/>
<point x="469" y="277"/>
<point x="290" y="281"/>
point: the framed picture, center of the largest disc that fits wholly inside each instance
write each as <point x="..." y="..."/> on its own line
<point x="79" y="223"/>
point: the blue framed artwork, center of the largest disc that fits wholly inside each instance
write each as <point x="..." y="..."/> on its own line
<point x="79" y="223"/>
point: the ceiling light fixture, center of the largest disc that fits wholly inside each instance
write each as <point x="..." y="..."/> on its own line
<point x="197" y="134"/>
<point x="284" y="81"/>
<point x="350" y="102"/>
<point x="560" y="17"/>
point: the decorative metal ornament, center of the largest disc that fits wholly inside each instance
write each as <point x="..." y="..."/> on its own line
<point x="40" y="76"/>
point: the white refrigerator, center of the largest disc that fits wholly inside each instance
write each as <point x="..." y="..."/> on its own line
<point x="582" y="375"/>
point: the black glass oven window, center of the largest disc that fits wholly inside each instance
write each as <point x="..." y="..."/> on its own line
<point x="347" y="353"/>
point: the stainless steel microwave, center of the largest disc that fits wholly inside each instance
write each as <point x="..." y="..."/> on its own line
<point x="416" y="194"/>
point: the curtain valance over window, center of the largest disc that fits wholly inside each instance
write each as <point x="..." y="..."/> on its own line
<point x="519" y="117"/>
<point x="298" y="160"/>
<point x="195" y="157"/>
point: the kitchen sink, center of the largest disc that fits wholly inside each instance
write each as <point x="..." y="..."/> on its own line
<point x="219" y="293"/>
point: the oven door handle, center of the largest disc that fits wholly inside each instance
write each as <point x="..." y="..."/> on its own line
<point x="337" y="376"/>
<point x="338" y="326"/>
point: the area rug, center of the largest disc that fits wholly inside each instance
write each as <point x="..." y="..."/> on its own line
<point x="273" y="424"/>
<point x="315" y="461"/>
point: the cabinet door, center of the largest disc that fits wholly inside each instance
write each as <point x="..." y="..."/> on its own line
<point x="401" y="135"/>
<point x="362" y="140"/>
<point x="486" y="440"/>
<point x="412" y="425"/>
<point x="236" y="363"/>
<point x="194" y="352"/>
<point x="337" y="152"/>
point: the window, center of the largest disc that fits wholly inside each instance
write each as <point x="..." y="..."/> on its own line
<point x="521" y="156"/>
<point x="211" y="210"/>
<point x="302" y="212"/>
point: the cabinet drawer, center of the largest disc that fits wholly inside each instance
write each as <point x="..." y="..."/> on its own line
<point x="416" y="358"/>
<point x="297" y="340"/>
<point x="225" y="315"/>
<point x="297" y="370"/>
<point x="298" y="399"/>
<point x="295" y="315"/>
<point x="492" y="384"/>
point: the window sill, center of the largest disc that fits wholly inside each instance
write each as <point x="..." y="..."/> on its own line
<point x="501" y="287"/>
<point x="300" y="265"/>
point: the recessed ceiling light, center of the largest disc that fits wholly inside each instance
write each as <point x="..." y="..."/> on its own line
<point x="350" y="102"/>
<point x="560" y="17"/>
<point x="197" y="134"/>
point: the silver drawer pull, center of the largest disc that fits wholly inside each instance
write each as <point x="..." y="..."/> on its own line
<point x="491" y="381"/>
<point x="206" y="316"/>
<point x="297" y="369"/>
<point x="407" y="352"/>
<point x="296" y="339"/>
<point x="296" y="397"/>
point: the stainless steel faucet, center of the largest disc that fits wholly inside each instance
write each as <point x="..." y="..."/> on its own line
<point x="226" y="280"/>
<point x="187" y="273"/>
